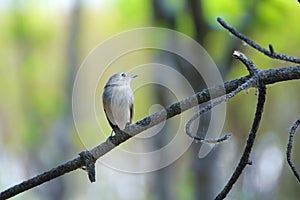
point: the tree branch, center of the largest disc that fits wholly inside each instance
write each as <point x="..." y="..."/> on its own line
<point x="250" y="141"/>
<point x="253" y="70"/>
<point x="252" y="82"/>
<point x="270" y="53"/>
<point x="266" y="77"/>
<point x="289" y="149"/>
<point x="87" y="158"/>
<point x="255" y="74"/>
<point x="42" y="178"/>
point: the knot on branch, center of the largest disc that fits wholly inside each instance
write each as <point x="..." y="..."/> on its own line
<point x="89" y="163"/>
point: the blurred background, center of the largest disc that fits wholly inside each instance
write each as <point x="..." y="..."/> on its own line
<point x="42" y="45"/>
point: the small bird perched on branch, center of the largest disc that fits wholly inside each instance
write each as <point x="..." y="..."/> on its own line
<point x="118" y="101"/>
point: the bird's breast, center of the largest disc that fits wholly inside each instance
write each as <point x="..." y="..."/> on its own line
<point x="119" y="99"/>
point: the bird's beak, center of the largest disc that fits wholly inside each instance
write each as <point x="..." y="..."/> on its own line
<point x="133" y="75"/>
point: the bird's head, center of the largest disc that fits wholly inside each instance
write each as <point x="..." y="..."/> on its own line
<point x="121" y="78"/>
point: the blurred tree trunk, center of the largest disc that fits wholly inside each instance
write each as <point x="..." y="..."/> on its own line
<point x="56" y="141"/>
<point x="203" y="170"/>
<point x="162" y="179"/>
<point x="64" y="126"/>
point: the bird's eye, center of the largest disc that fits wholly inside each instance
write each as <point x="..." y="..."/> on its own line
<point x="123" y="74"/>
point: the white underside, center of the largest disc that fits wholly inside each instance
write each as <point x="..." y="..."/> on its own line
<point x="118" y="106"/>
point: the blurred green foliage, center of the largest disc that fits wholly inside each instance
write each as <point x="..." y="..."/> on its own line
<point x="34" y="75"/>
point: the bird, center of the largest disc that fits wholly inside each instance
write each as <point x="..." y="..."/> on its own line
<point x="118" y="101"/>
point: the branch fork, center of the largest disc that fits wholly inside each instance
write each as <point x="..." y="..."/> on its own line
<point x="252" y="82"/>
<point x="89" y="164"/>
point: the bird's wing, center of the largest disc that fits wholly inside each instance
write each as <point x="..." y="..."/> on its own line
<point x="108" y="114"/>
<point x="131" y="112"/>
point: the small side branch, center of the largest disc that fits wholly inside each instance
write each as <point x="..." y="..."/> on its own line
<point x="289" y="149"/>
<point x="270" y="53"/>
<point x="253" y="70"/>
<point x="89" y="163"/>
<point x="213" y="103"/>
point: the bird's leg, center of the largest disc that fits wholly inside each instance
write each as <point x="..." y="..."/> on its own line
<point x="111" y="135"/>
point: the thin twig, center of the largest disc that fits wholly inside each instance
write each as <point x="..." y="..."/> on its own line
<point x="289" y="149"/>
<point x="244" y="161"/>
<point x="270" y="53"/>
<point x="212" y="140"/>
<point x="213" y="103"/>
<point x="253" y="70"/>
